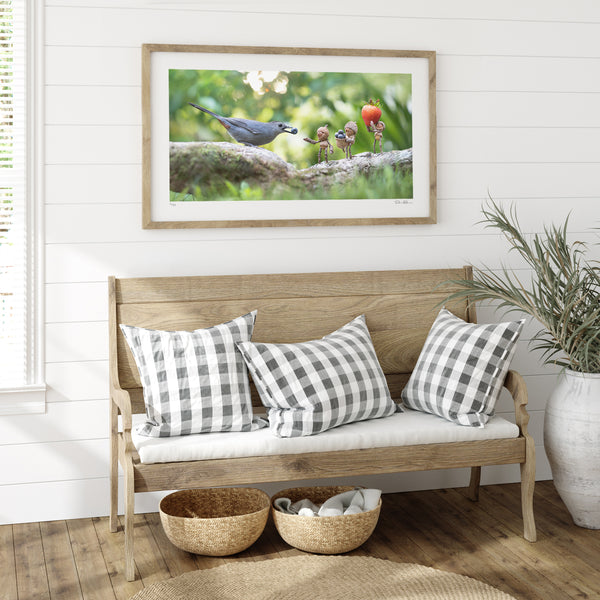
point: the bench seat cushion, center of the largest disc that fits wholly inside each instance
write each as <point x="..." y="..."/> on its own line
<point x="400" y="429"/>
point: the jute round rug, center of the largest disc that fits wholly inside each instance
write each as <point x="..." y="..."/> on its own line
<point x="314" y="577"/>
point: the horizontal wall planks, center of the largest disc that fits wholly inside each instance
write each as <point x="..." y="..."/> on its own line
<point x="92" y="26"/>
<point x="93" y="105"/>
<point x="517" y="90"/>
<point x="65" y="302"/>
<point x="520" y="182"/>
<point x="507" y="74"/>
<point x="359" y="251"/>
<point x="102" y="223"/>
<point x="77" y="380"/>
<point x="93" y="183"/>
<point x="94" y="144"/>
<point x="512" y="10"/>
<point x="66" y="342"/>
<point x="120" y="67"/>
<point x="93" y="65"/>
<point x="517" y="145"/>
<point x="70" y="499"/>
<point x="62" y="421"/>
<point x="508" y="109"/>
<point x="54" y="461"/>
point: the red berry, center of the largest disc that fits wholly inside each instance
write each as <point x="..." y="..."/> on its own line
<point x="371" y="112"/>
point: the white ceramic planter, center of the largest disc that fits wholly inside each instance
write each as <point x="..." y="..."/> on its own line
<point x="572" y="443"/>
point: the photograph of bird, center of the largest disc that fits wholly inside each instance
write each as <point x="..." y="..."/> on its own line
<point x="249" y="132"/>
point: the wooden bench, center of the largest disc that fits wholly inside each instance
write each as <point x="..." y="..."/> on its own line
<point x="400" y="307"/>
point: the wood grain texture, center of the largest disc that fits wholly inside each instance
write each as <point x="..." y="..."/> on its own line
<point x="487" y="53"/>
<point x="516" y="386"/>
<point x="32" y="579"/>
<point x="399" y="306"/>
<point x="316" y="465"/>
<point x="281" y="285"/>
<point x="446" y="544"/>
<point x="63" y="579"/>
<point x="8" y="573"/>
<point x="441" y="528"/>
<point x="531" y="565"/>
<point x="93" y="577"/>
<point x="111" y="547"/>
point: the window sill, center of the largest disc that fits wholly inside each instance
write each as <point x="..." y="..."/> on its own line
<point x="25" y="400"/>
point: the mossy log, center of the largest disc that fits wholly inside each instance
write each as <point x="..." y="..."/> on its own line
<point x="202" y="163"/>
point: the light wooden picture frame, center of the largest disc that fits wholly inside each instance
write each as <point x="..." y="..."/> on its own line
<point x="187" y="155"/>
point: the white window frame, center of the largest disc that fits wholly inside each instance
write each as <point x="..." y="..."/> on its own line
<point x="31" y="396"/>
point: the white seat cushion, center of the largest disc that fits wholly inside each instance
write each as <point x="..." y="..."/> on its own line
<point x="401" y="429"/>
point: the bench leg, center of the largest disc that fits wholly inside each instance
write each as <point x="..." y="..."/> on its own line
<point x="527" y="487"/>
<point x="473" y="492"/>
<point x="129" y="514"/>
<point x="114" y="469"/>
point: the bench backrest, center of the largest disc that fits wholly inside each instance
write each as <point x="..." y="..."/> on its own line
<point x="400" y="307"/>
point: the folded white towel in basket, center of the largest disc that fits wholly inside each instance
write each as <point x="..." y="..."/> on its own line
<point x="346" y="503"/>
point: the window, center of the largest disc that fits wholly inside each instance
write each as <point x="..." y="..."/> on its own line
<point x="21" y="364"/>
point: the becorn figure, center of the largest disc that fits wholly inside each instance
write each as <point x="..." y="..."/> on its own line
<point x="377" y="129"/>
<point x="345" y="139"/>
<point x="323" y="141"/>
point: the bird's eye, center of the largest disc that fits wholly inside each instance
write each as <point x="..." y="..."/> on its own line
<point x="280" y="125"/>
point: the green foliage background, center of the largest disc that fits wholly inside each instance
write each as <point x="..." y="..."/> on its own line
<point x="310" y="100"/>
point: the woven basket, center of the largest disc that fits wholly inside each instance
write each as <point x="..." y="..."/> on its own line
<point x="323" y="535"/>
<point x="214" y="521"/>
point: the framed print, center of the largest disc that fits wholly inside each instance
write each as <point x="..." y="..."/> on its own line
<point x="261" y="136"/>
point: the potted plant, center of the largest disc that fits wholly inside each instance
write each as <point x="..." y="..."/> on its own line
<point x="563" y="295"/>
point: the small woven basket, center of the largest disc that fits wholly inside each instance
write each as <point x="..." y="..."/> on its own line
<point x="214" y="521"/>
<point x="323" y="535"/>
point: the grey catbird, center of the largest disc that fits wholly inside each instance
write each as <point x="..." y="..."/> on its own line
<point x="251" y="133"/>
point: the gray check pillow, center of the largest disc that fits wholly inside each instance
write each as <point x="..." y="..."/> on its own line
<point x="194" y="382"/>
<point x="313" y="386"/>
<point x="461" y="369"/>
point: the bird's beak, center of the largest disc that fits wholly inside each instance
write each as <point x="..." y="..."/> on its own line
<point x="290" y="129"/>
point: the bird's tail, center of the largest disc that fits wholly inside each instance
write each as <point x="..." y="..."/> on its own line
<point x="205" y="110"/>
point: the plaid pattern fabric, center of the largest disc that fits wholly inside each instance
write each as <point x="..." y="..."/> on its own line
<point x="461" y="369"/>
<point x="194" y="382"/>
<point x="313" y="386"/>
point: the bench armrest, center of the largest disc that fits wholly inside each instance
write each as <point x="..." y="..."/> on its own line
<point x="515" y="384"/>
<point x="122" y="400"/>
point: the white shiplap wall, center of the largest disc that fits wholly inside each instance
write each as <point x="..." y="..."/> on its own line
<point x="518" y="90"/>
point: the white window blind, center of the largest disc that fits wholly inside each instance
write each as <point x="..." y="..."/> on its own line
<point x="13" y="258"/>
<point x="19" y="344"/>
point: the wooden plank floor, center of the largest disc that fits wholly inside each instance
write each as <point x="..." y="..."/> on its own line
<point x="82" y="560"/>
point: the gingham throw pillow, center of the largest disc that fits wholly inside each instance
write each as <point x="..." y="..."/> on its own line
<point x="461" y="369"/>
<point x="313" y="386"/>
<point x="194" y="382"/>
